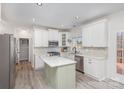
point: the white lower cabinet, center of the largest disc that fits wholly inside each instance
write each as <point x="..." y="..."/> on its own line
<point x="95" y="67"/>
<point x="38" y="62"/>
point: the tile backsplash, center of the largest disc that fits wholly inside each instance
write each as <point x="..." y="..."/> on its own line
<point x="94" y="51"/>
<point x="45" y="50"/>
<point x="100" y="52"/>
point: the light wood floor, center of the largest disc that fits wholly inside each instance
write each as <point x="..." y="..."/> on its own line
<point x="27" y="78"/>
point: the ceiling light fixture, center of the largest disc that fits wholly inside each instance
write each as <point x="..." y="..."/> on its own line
<point x="39" y="4"/>
<point x="76" y="17"/>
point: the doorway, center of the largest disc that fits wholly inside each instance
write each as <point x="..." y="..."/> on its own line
<point x="24" y="49"/>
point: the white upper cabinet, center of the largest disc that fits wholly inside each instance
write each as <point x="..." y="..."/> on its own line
<point x="40" y="38"/>
<point x="44" y="38"/>
<point x="53" y="35"/>
<point x="37" y="38"/>
<point x="95" y="34"/>
<point x="63" y="39"/>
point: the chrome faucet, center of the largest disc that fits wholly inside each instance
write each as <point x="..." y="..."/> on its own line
<point x="74" y="49"/>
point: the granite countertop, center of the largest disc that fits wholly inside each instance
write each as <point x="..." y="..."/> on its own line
<point x="56" y="61"/>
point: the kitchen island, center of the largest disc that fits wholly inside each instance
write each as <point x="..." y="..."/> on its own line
<point x="59" y="72"/>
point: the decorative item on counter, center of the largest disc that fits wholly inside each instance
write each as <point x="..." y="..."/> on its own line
<point x="77" y="41"/>
<point x="64" y="49"/>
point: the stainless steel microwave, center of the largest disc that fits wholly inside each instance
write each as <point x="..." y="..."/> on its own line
<point x="53" y="43"/>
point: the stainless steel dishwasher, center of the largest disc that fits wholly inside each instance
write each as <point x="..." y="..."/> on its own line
<point x="80" y="63"/>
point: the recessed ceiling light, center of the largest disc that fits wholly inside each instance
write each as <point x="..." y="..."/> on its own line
<point x="39" y="4"/>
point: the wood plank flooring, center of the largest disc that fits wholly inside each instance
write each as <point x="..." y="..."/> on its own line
<point x="85" y="82"/>
<point x="27" y="78"/>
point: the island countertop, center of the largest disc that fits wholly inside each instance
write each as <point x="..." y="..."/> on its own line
<point x="56" y="61"/>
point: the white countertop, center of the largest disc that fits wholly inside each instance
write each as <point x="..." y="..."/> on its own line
<point x="91" y="56"/>
<point x="55" y="61"/>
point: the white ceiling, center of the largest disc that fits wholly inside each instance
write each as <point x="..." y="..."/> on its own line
<point x="55" y="15"/>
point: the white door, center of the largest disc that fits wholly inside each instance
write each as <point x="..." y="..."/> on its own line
<point x="24" y="49"/>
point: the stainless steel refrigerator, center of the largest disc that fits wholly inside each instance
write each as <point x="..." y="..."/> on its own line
<point x="7" y="61"/>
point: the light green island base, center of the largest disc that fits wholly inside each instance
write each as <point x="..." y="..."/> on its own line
<point x="61" y="77"/>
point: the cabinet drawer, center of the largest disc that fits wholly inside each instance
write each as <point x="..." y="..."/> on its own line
<point x="94" y="67"/>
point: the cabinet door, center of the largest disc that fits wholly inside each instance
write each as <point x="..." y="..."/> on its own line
<point x="41" y="38"/>
<point x="89" y="66"/>
<point x="94" y="67"/>
<point x="95" y="34"/>
<point x="99" y="36"/>
<point x="56" y="35"/>
<point x="50" y="35"/>
<point x="53" y="35"/>
<point x="86" y="66"/>
<point x="37" y="39"/>
<point x="39" y="64"/>
<point x="60" y="39"/>
<point x="87" y="37"/>
<point x="63" y="39"/>
<point x="44" y="38"/>
<point x="67" y="38"/>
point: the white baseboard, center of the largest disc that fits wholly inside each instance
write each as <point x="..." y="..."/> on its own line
<point x="99" y="79"/>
